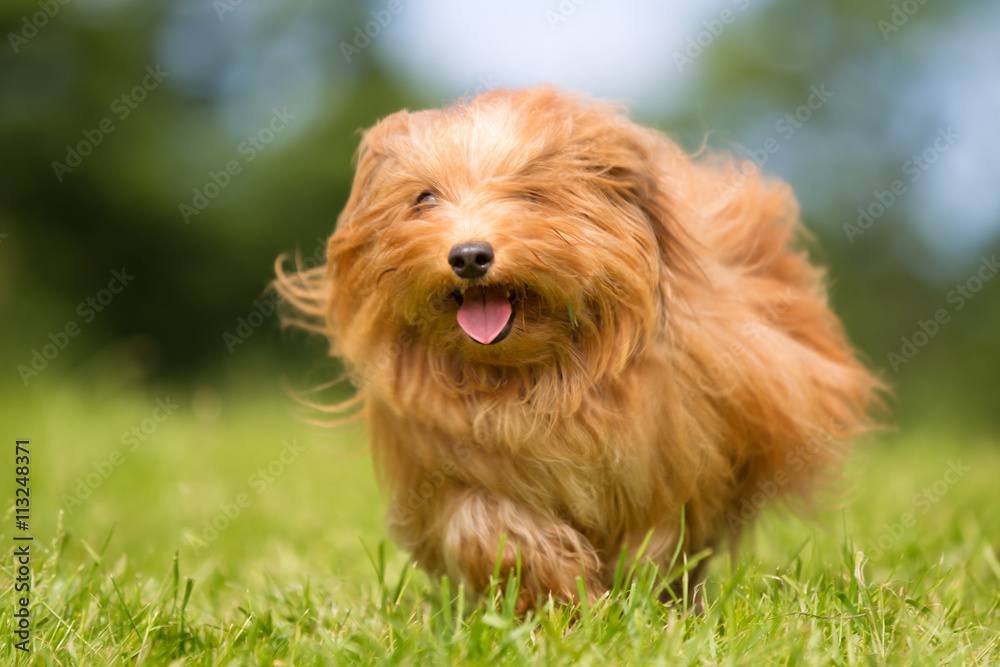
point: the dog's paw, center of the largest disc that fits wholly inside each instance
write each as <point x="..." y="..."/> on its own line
<point x="549" y="555"/>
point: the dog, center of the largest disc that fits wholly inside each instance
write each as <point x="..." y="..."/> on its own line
<point x="572" y="340"/>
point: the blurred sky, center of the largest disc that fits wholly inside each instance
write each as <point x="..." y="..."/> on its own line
<point x="247" y="55"/>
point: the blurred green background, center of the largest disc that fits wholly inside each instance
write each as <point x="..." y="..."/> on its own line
<point x="184" y="145"/>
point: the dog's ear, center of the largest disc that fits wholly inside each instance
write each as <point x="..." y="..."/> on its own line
<point x="375" y="148"/>
<point x="306" y="291"/>
<point x="655" y="178"/>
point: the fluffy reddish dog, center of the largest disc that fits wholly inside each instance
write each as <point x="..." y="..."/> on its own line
<point x="568" y="335"/>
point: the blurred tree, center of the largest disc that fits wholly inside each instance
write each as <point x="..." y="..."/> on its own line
<point x="189" y="143"/>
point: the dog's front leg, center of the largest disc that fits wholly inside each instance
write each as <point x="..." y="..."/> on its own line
<point x="552" y="554"/>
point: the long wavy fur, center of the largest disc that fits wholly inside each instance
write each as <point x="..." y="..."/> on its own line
<point x="672" y="351"/>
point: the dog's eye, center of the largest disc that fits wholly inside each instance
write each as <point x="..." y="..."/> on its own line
<point x="425" y="198"/>
<point x="532" y="196"/>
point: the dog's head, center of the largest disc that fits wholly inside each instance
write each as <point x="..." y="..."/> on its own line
<point x="522" y="228"/>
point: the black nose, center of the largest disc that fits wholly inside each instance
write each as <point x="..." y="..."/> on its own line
<point x="471" y="260"/>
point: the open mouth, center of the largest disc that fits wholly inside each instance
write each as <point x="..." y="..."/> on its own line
<point x="486" y="313"/>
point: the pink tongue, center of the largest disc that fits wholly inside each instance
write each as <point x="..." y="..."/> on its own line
<point x="484" y="313"/>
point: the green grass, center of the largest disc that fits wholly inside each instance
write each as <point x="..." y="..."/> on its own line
<point x="303" y="576"/>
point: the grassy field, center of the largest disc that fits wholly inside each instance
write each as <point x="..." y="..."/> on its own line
<point x="217" y="528"/>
